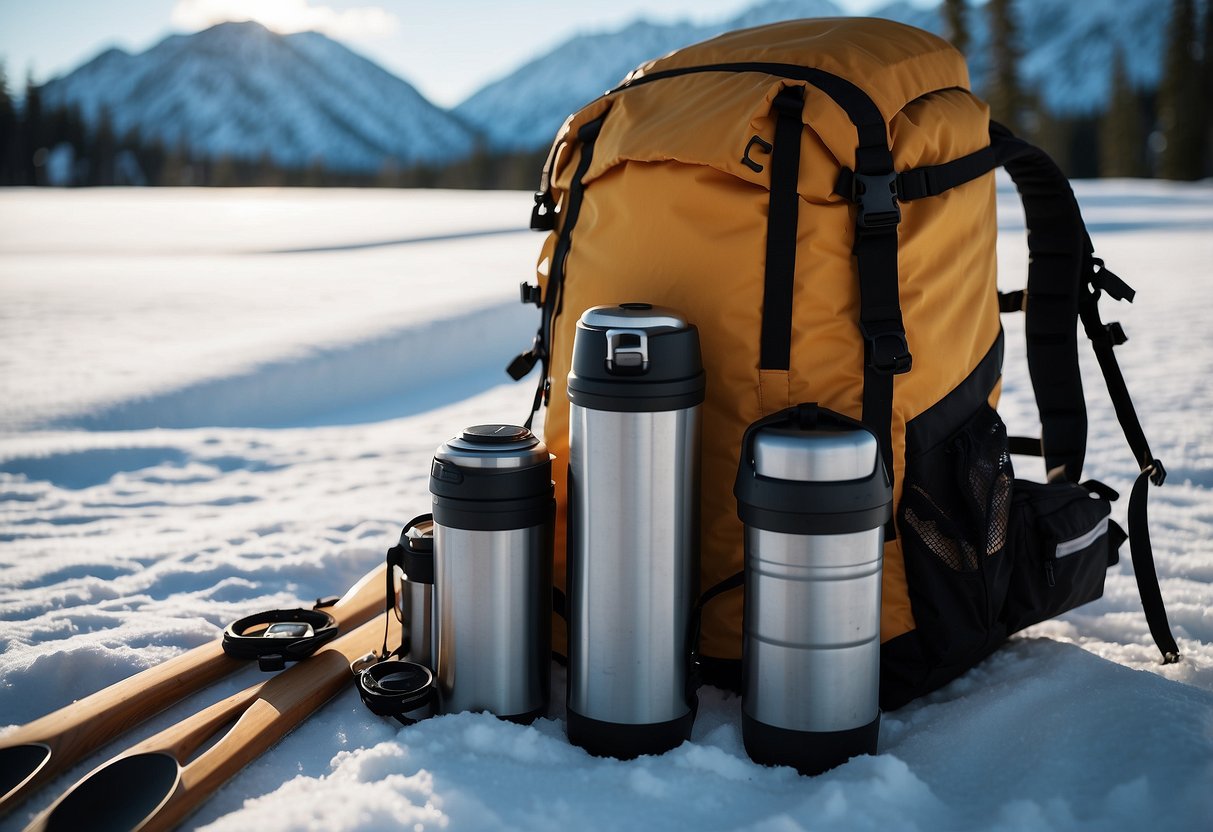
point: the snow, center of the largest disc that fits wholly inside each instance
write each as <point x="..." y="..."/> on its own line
<point x="213" y="402"/>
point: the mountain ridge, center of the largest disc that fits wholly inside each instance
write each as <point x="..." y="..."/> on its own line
<point x="238" y="89"/>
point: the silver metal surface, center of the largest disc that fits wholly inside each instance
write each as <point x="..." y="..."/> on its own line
<point x="492" y="604"/>
<point x="812" y="629"/>
<point x="633" y="560"/>
<point x="815" y="455"/>
<point x="507" y="455"/>
<point x="417" y="617"/>
<point x="633" y="316"/>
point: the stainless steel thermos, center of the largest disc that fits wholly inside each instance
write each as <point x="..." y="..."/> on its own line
<point x="814" y="495"/>
<point x="493" y="527"/>
<point x="635" y="393"/>
<point x="415" y="590"/>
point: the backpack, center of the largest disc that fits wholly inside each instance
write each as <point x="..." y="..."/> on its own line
<point x="818" y="197"/>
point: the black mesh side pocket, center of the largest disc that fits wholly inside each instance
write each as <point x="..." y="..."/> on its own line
<point x="1062" y="542"/>
<point x="953" y="519"/>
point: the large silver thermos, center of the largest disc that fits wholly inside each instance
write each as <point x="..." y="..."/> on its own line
<point x="635" y="393"/>
<point x="493" y="533"/>
<point x="814" y="496"/>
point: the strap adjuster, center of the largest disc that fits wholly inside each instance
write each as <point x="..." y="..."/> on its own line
<point x="530" y="294"/>
<point x="876" y="197"/>
<point x="886" y="349"/>
<point x="543" y="215"/>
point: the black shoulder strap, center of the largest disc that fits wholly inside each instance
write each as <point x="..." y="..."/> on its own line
<point x="1065" y="282"/>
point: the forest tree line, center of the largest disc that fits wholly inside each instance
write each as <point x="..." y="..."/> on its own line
<point x="1166" y="133"/>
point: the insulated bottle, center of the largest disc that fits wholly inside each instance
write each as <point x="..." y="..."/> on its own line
<point x="415" y="590"/>
<point x="814" y="495"/>
<point x="635" y="393"/>
<point x="493" y="528"/>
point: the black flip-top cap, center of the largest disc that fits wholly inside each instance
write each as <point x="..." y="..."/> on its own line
<point x="496" y="434"/>
<point x="636" y="357"/>
<point x="811" y="505"/>
<point x="417" y="555"/>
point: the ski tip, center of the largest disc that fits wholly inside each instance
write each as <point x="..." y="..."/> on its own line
<point x="121" y="795"/>
<point x="18" y="765"/>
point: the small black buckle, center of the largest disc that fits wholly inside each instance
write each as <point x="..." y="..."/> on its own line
<point x="886" y="349"/>
<point x="543" y="215"/>
<point x="876" y="197"/>
<point x="530" y="293"/>
<point x="1158" y="474"/>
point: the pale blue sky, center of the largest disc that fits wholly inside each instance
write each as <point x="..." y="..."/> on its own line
<point x="446" y="49"/>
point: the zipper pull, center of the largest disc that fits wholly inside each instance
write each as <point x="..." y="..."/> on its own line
<point x="1049" y="576"/>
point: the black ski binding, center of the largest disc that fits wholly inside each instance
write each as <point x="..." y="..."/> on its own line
<point x="280" y="636"/>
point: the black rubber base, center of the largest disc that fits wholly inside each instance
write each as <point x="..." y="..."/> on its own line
<point x="809" y="752"/>
<point x="625" y="742"/>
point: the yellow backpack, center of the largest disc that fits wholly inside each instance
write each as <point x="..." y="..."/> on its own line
<point x="818" y="198"/>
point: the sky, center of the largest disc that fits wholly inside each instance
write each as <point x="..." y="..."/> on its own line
<point x="447" y="50"/>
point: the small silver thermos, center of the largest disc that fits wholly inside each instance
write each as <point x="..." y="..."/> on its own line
<point x="493" y="527"/>
<point x="415" y="590"/>
<point x="814" y="496"/>
<point x="635" y="393"/>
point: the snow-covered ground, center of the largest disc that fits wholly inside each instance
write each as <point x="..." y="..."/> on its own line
<point x="213" y="402"/>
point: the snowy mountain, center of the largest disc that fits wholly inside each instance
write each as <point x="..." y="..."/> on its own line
<point x="238" y="89"/>
<point x="1067" y="50"/>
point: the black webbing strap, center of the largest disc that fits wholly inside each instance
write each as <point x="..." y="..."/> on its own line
<point x="886" y="350"/>
<point x="1104" y="339"/>
<point x="1065" y="281"/>
<point x="1143" y="567"/>
<point x="541" y="347"/>
<point x="782" y="221"/>
<point x="931" y="180"/>
<point x="1055" y="241"/>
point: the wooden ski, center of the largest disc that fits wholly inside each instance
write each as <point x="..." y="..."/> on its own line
<point x="155" y="786"/>
<point x="34" y="753"/>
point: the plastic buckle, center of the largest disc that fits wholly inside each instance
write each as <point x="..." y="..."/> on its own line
<point x="530" y="294"/>
<point x="1105" y="280"/>
<point x="885" y="347"/>
<point x="1158" y="474"/>
<point x="876" y="197"/>
<point x="543" y="215"/>
<point x="1116" y="333"/>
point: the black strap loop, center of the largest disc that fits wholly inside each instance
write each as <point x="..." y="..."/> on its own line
<point x="284" y="636"/>
<point x="396" y="688"/>
<point x="783" y="219"/>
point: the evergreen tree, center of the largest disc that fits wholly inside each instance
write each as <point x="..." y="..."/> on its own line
<point x="1181" y="111"/>
<point x="1207" y="95"/>
<point x="31" y="134"/>
<point x="1122" y="134"/>
<point x="8" y="131"/>
<point x="103" y="150"/>
<point x="1003" y="91"/>
<point x="955" y="23"/>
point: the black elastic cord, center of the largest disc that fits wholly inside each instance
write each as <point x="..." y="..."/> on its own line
<point x="553" y="299"/>
<point x="694" y="677"/>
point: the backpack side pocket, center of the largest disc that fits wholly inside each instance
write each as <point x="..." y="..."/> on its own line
<point x="953" y="518"/>
<point x="1062" y="541"/>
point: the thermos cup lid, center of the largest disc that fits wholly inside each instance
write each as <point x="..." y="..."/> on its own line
<point x="808" y="470"/>
<point x="494" y="446"/>
<point x="492" y="477"/>
<point x="417" y="543"/>
<point x="635" y="357"/>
